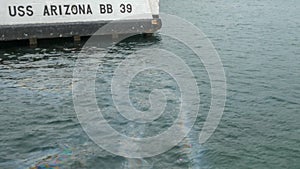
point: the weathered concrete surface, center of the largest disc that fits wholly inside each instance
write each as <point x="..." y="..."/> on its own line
<point x="45" y="31"/>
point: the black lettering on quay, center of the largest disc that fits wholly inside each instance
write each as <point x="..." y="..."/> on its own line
<point x="67" y="9"/>
<point x="126" y="8"/>
<point x="106" y="9"/>
<point x="20" y="11"/>
<point x="80" y="9"/>
<point x="29" y="10"/>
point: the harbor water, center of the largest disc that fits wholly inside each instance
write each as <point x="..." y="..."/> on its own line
<point x="259" y="44"/>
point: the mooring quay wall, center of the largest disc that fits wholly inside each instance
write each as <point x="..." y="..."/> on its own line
<point x="26" y="19"/>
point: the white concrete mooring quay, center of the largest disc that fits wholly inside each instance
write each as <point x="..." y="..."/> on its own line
<point x="35" y="19"/>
